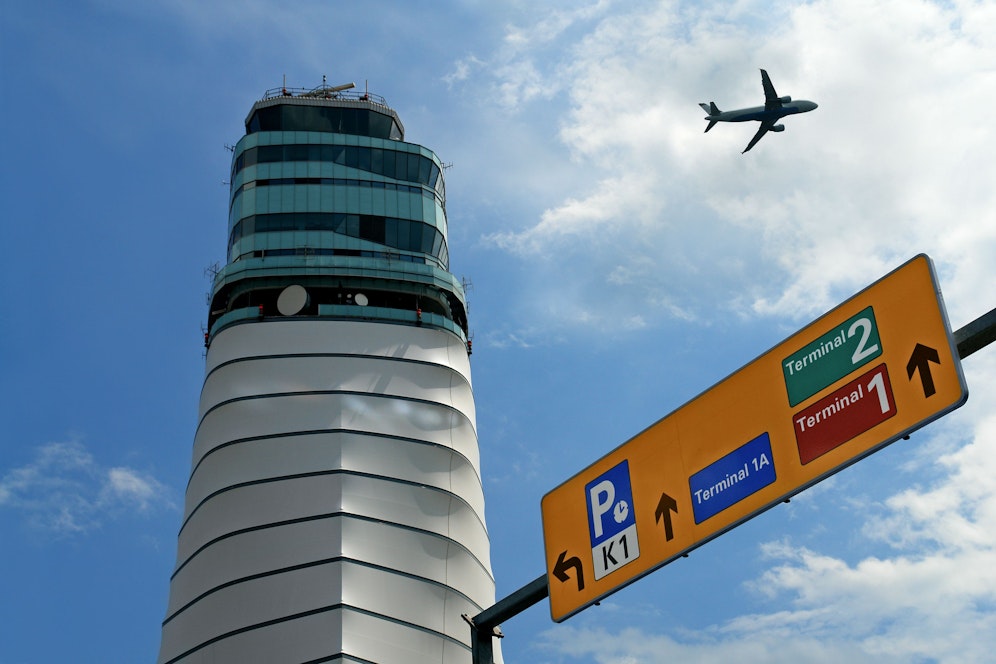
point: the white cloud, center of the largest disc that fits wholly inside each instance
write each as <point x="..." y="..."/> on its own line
<point x="462" y="69"/>
<point x="64" y="490"/>
<point x="895" y="161"/>
<point x="130" y="487"/>
<point x="519" y="69"/>
<point x="634" y="646"/>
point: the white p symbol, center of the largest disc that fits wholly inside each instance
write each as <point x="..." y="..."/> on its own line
<point x="599" y="507"/>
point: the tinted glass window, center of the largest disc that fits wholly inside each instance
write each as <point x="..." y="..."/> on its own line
<point x="372" y="228"/>
<point x="295" y="153"/>
<point x="353" y="225"/>
<point x="415" y="237"/>
<point x="339" y="223"/>
<point x="389" y="163"/>
<point x="270" y="153"/>
<point x="423" y="170"/>
<point x="349" y="122"/>
<point x="380" y="125"/>
<point x="268" y="118"/>
<point x="413" y="160"/>
<point x="401" y="165"/>
<point x="294" y="117"/>
<point x="398" y="233"/>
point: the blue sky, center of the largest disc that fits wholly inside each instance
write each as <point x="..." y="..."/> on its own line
<point x="621" y="261"/>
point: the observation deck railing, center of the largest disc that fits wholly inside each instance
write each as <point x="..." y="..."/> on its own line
<point x="325" y="92"/>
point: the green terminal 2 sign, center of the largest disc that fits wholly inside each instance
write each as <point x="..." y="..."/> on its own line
<point x="832" y="356"/>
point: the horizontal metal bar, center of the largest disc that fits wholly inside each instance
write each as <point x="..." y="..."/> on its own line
<point x="483" y="625"/>
<point x="979" y="333"/>
<point x="514" y="604"/>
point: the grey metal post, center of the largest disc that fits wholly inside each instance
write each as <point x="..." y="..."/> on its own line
<point x="484" y="626"/>
<point x="977" y="334"/>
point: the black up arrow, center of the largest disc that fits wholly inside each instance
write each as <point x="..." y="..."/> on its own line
<point x="920" y="359"/>
<point x="665" y="506"/>
<point x="560" y="569"/>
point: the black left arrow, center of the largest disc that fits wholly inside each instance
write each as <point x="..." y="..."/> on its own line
<point x="920" y="360"/>
<point x="665" y="506"/>
<point x="560" y="569"/>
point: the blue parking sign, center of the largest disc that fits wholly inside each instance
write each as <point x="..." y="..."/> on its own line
<point x="611" y="520"/>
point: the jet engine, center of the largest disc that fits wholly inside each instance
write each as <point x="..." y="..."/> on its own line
<point x="786" y="99"/>
<point x="777" y="128"/>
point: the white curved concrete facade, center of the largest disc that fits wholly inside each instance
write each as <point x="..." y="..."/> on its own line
<point x="335" y="510"/>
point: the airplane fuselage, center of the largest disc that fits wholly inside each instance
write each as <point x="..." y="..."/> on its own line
<point x="759" y="113"/>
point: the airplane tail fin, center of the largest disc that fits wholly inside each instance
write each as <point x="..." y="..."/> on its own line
<point x="711" y="109"/>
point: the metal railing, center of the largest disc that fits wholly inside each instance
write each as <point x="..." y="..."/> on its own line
<point x="324" y="91"/>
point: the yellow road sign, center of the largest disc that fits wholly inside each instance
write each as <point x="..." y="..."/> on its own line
<point x="870" y="371"/>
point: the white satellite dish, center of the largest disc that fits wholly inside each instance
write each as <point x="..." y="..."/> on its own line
<point x="361" y="299"/>
<point x="292" y="300"/>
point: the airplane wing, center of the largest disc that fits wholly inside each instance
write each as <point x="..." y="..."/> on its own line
<point x="765" y="126"/>
<point x="771" y="100"/>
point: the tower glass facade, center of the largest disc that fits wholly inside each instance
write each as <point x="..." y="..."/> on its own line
<point x="335" y="510"/>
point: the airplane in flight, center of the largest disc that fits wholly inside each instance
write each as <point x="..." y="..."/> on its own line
<point x="775" y="108"/>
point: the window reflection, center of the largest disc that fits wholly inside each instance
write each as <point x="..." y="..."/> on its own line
<point x="332" y="119"/>
<point x="388" y="163"/>
<point x="402" y="234"/>
<point x="339" y="182"/>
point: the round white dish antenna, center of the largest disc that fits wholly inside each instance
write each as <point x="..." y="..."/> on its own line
<point x="292" y="300"/>
<point x="361" y="300"/>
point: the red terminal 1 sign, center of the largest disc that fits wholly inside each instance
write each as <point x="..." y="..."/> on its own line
<point x="870" y="371"/>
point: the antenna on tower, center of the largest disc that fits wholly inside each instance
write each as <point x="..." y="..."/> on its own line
<point x="468" y="286"/>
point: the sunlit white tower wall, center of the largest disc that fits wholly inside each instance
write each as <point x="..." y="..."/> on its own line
<point x="335" y="510"/>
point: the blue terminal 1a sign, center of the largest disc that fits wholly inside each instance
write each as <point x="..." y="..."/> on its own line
<point x="870" y="371"/>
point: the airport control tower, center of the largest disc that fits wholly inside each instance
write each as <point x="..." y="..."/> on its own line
<point x="335" y="511"/>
